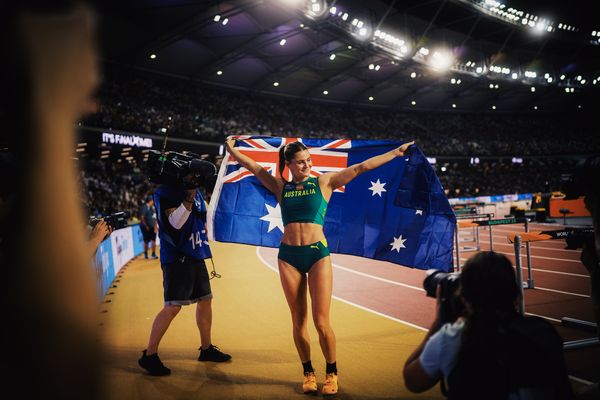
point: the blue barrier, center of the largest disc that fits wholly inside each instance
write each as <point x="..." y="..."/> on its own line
<point x="114" y="252"/>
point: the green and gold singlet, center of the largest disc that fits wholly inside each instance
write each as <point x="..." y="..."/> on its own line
<point x="303" y="202"/>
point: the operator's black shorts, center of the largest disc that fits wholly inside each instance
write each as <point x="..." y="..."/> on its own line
<point x="185" y="282"/>
<point x="149" y="235"/>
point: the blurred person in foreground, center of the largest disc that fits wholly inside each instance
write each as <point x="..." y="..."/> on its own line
<point x="54" y="349"/>
<point x="492" y="352"/>
<point x="586" y="181"/>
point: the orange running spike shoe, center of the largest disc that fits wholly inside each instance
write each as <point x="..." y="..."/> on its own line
<point x="310" y="383"/>
<point x="330" y="387"/>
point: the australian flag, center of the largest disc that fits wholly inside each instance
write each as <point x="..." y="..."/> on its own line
<point x="397" y="212"/>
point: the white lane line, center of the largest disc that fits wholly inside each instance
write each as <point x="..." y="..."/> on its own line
<point x="381" y="314"/>
<point x="349" y="302"/>
<point x="378" y="278"/>
<point x="576" y="379"/>
<point x="563" y="292"/>
<point x="543" y="316"/>
<point x="496" y="243"/>
<point x="542" y="257"/>
<point x="560" y="273"/>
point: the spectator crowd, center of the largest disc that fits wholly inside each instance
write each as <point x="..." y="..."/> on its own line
<point x="146" y="104"/>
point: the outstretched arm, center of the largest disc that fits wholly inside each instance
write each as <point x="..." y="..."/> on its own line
<point x="345" y="176"/>
<point x="268" y="180"/>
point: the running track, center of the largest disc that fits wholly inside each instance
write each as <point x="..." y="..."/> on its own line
<point x="562" y="288"/>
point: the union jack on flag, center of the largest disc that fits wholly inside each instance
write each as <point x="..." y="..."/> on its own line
<point x="265" y="153"/>
<point x="397" y="212"/>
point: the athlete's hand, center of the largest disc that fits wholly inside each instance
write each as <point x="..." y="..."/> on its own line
<point x="229" y="143"/>
<point x="400" y="151"/>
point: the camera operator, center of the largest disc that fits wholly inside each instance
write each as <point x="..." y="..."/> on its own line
<point x="184" y="246"/>
<point x="490" y="351"/>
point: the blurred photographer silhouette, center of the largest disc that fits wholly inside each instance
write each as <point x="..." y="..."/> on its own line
<point x="49" y="289"/>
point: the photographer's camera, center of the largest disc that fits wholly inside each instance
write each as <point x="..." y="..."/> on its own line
<point x="451" y="306"/>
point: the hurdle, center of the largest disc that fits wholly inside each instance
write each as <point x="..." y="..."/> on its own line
<point x="491" y="223"/>
<point x="460" y="223"/>
<point x="527" y="237"/>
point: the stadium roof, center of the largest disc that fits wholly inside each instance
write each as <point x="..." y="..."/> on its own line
<point x="507" y="56"/>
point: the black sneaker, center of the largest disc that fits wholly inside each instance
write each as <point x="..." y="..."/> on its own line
<point x="153" y="365"/>
<point x="213" y="354"/>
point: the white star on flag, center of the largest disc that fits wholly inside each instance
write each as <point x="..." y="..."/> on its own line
<point x="273" y="217"/>
<point x="398" y="244"/>
<point x="418" y="212"/>
<point x="377" y="187"/>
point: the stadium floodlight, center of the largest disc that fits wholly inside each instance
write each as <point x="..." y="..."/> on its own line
<point x="491" y="85"/>
<point x="314" y="9"/>
<point x="333" y="10"/>
<point x="362" y="31"/>
<point x="225" y="21"/>
<point x="217" y="18"/>
<point x="377" y="67"/>
<point x="414" y="103"/>
<point x="535" y="107"/>
<point x="332" y="57"/>
<point x="371" y="66"/>
<point x="514" y="75"/>
<point x="219" y="72"/>
<point x="325" y="92"/>
<point x="424" y="51"/>
<point x="479" y="70"/>
<point x="275" y="84"/>
<point x="458" y="81"/>
<point x="441" y="60"/>
<point x="413" y="75"/>
<point x="453" y="105"/>
<point x="578" y="77"/>
<point x="282" y="42"/>
<point x="583" y="81"/>
<point x="349" y="47"/>
<point x="153" y="56"/>
<point x="530" y="74"/>
<point x="443" y="169"/>
<point x="532" y="89"/>
<point x="344" y="16"/>
<point x="371" y="98"/>
<point x="562" y="77"/>
<point x="493" y="107"/>
<point x="453" y="81"/>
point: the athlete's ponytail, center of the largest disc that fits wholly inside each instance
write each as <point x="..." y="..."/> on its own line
<point x="287" y="153"/>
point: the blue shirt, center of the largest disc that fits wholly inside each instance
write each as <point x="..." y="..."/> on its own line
<point x="191" y="240"/>
<point x="148" y="214"/>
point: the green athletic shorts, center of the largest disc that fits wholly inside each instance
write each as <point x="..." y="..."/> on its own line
<point x="303" y="257"/>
